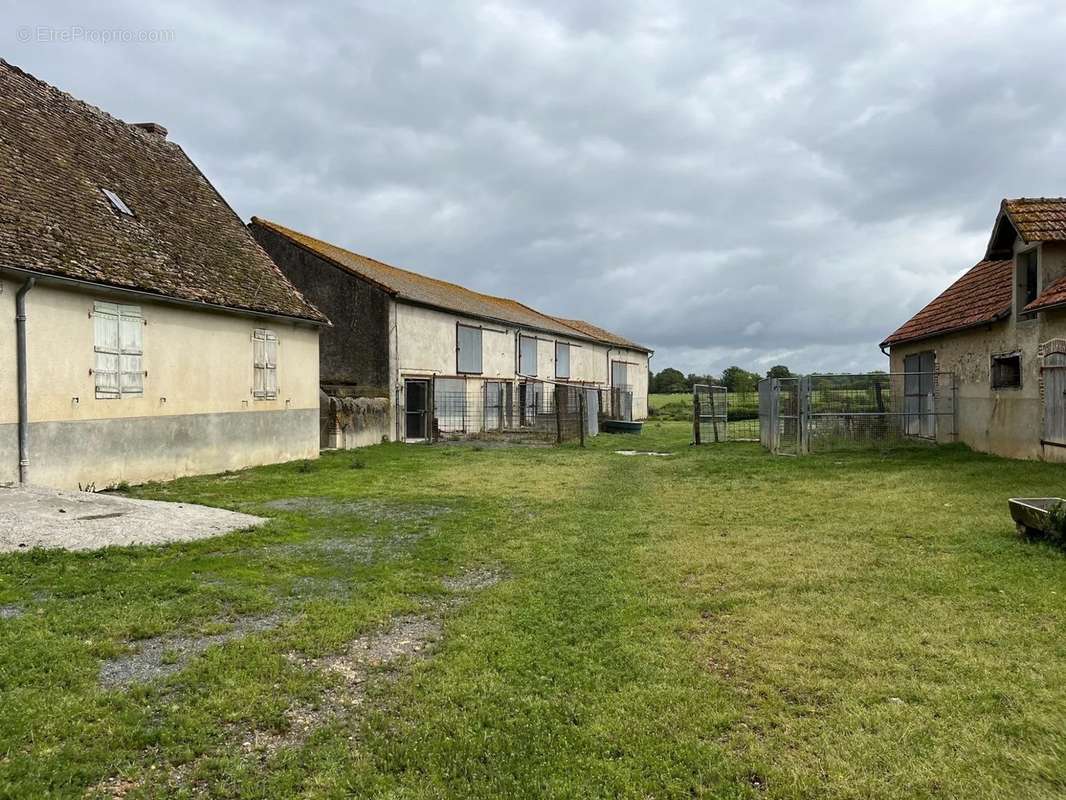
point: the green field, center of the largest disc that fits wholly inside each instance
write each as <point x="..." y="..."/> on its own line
<point x="485" y="622"/>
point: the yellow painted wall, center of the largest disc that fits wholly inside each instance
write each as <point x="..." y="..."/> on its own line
<point x="8" y="374"/>
<point x="198" y="361"/>
<point x="199" y="365"/>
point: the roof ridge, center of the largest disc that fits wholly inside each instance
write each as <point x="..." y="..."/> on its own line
<point x="421" y="276"/>
<point x="393" y="279"/>
<point x="284" y="228"/>
<point x="84" y="104"/>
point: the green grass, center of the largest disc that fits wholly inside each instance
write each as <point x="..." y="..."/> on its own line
<point x="720" y="624"/>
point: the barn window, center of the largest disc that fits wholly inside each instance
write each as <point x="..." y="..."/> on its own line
<point x="1007" y="371"/>
<point x="527" y="355"/>
<point x="468" y="349"/>
<point x="265" y="364"/>
<point x="1027" y="280"/>
<point x="562" y="360"/>
<point x="118" y="342"/>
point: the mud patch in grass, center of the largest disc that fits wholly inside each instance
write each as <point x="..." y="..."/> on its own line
<point x="161" y="656"/>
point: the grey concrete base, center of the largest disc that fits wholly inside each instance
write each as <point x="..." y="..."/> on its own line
<point x="32" y="516"/>
<point x="105" y="452"/>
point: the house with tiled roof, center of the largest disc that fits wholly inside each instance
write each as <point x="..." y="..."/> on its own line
<point x="1000" y="331"/>
<point x="413" y="358"/>
<point x="151" y="336"/>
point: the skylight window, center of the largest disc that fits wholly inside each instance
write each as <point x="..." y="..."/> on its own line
<point x="116" y="201"/>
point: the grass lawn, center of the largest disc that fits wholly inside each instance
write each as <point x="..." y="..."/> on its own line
<point x="720" y="623"/>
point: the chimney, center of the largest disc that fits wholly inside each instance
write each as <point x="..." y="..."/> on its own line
<point x="152" y="127"/>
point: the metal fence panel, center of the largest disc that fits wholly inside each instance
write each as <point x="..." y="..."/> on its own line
<point x="825" y="412"/>
<point x="529" y="411"/>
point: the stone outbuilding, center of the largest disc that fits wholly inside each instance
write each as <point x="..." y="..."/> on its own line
<point x="1000" y="330"/>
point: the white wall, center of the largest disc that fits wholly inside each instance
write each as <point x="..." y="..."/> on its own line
<point x="423" y="343"/>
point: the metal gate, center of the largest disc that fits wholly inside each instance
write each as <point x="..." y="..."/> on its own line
<point x="825" y="412"/>
<point x="790" y="394"/>
<point x="710" y="414"/>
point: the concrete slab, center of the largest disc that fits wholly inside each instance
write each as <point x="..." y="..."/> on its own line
<point x="33" y="516"/>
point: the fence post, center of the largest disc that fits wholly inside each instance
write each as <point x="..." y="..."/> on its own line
<point x="695" y="418"/>
<point x="558" y="416"/>
<point x="804" y="411"/>
<point x="582" y="413"/>
<point x="775" y="414"/>
<point x="714" y="413"/>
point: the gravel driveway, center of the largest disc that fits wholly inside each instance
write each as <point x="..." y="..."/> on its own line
<point x="32" y="516"/>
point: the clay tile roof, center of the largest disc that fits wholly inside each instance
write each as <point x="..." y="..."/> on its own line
<point x="1038" y="219"/>
<point x="58" y="155"/>
<point x="411" y="286"/>
<point x="1053" y="295"/>
<point x="981" y="296"/>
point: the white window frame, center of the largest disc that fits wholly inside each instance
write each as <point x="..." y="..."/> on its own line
<point x="118" y="348"/>
<point x="264" y="364"/>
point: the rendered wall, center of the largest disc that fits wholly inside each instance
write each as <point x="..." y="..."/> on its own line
<point x="1007" y="422"/>
<point x="196" y="414"/>
<point x="425" y="340"/>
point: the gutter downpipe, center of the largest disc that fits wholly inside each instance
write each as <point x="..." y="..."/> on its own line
<point x="23" y="380"/>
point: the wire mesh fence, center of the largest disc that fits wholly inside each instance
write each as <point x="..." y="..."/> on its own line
<point x="616" y="402"/>
<point x="857" y="410"/>
<point x="525" y="411"/>
<point x="827" y="412"/>
<point x="720" y="415"/>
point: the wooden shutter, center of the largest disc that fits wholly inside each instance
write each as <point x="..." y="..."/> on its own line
<point x="468" y="348"/>
<point x="131" y="344"/>
<point x="107" y="347"/>
<point x="562" y="360"/>
<point x="527" y="355"/>
<point x="265" y="364"/>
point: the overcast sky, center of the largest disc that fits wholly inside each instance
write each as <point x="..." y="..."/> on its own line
<point x="749" y="183"/>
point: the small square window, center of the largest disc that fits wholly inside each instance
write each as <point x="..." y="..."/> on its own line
<point x="1007" y="371"/>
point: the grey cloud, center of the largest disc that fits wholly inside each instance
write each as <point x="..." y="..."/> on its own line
<point x="762" y="182"/>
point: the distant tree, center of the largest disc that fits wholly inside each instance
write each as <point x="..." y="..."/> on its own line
<point x="779" y="371"/>
<point x="738" y="379"/>
<point x="669" y="381"/>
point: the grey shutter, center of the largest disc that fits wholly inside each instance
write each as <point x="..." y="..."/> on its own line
<point x="1055" y="398"/>
<point x="265" y="364"/>
<point x="619" y="375"/>
<point x="527" y="355"/>
<point x="469" y="344"/>
<point x="107" y="347"/>
<point x="131" y="342"/>
<point x="562" y="360"/>
<point x="271" y="365"/>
